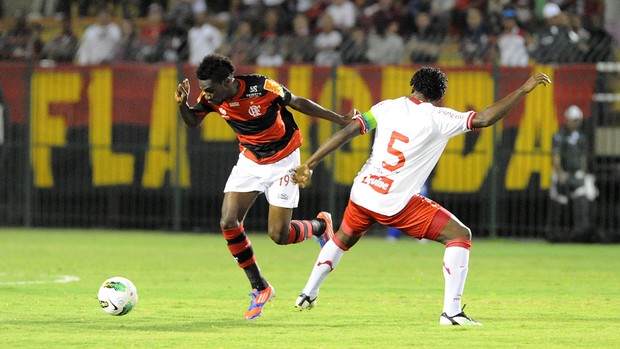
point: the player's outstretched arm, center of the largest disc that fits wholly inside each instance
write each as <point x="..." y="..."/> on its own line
<point x="495" y="112"/>
<point x="303" y="172"/>
<point x="309" y="107"/>
<point x="180" y="95"/>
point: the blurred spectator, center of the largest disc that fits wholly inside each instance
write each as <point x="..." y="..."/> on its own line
<point x="99" y="40"/>
<point x="525" y="14"/>
<point x="553" y="44"/>
<point x="63" y="47"/>
<point x="386" y="47"/>
<point x="271" y="26"/>
<point x="143" y="6"/>
<point x="475" y="44"/>
<point x="203" y="39"/>
<point x="513" y="42"/>
<point x="243" y="45"/>
<point x="327" y="43"/>
<point x="299" y="45"/>
<point x="35" y="43"/>
<point x="252" y="10"/>
<point x="303" y="5"/>
<point x="495" y="14"/>
<point x="150" y="33"/>
<point x="600" y="45"/>
<point x="424" y="45"/>
<point x="497" y="6"/>
<point x="381" y="13"/>
<point x="461" y="11"/>
<point x="413" y="7"/>
<point x="343" y="14"/>
<point x="172" y="45"/>
<point x="182" y="15"/>
<point x="235" y="17"/>
<point x="441" y="11"/>
<point x="17" y="42"/>
<point x="355" y="46"/>
<point x="579" y="35"/>
<point x="199" y="6"/>
<point x="129" y="47"/>
<point x="270" y="54"/>
<point x="314" y="14"/>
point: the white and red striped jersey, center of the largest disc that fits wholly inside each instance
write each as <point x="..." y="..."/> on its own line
<point x="410" y="136"/>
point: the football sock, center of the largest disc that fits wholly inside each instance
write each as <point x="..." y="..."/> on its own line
<point x="302" y="230"/>
<point x="241" y="248"/>
<point x="326" y="262"/>
<point x="455" y="265"/>
<point x="256" y="278"/>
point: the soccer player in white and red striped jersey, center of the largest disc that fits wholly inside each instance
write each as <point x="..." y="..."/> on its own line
<point x="410" y="136"/>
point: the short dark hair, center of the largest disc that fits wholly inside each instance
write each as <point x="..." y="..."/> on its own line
<point x="431" y="82"/>
<point x="215" y="67"/>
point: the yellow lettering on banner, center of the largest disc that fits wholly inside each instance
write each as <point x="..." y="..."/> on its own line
<point x="347" y="160"/>
<point x="533" y="143"/>
<point x="395" y="82"/>
<point x="48" y="130"/>
<point x="109" y="168"/>
<point x="464" y="173"/>
<point x="167" y="145"/>
<point x="269" y="72"/>
<point x="300" y="84"/>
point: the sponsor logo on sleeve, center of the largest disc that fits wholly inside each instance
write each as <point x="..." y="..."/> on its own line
<point x="274" y="87"/>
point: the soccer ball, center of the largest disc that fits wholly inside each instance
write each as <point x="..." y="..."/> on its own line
<point x="117" y="296"/>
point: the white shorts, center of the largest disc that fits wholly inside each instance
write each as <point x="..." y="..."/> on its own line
<point x="272" y="179"/>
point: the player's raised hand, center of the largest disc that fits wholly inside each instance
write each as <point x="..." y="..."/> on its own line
<point x="534" y="81"/>
<point x="182" y="92"/>
<point x="301" y="175"/>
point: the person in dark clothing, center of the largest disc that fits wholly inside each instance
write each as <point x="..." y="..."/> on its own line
<point x="553" y="44"/>
<point x="569" y="216"/>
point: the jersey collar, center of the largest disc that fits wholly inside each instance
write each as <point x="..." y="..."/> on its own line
<point x="416" y="101"/>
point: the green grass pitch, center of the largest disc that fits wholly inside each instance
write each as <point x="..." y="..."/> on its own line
<point x="528" y="294"/>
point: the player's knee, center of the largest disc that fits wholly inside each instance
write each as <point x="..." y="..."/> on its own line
<point x="277" y="236"/>
<point x="463" y="233"/>
<point x="345" y="241"/>
<point x="229" y="223"/>
<point x="453" y="232"/>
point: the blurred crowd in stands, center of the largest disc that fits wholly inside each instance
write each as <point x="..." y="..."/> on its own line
<point x="322" y="32"/>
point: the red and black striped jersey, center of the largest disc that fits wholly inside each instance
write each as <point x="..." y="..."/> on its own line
<point x="264" y="126"/>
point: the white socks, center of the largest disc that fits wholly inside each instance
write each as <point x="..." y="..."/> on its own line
<point x="326" y="262"/>
<point x="455" y="265"/>
<point x="455" y="262"/>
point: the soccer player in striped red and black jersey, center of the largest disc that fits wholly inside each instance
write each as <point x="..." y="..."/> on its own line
<point x="256" y="108"/>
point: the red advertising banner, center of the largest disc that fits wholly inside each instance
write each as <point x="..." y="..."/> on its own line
<point x="103" y="100"/>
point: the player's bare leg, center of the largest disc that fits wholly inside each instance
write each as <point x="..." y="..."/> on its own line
<point x="234" y="209"/>
<point x="285" y="231"/>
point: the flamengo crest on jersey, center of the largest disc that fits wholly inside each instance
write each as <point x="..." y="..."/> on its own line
<point x="264" y="127"/>
<point x="409" y="138"/>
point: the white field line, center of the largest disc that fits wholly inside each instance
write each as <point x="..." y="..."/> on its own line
<point x="60" y="279"/>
